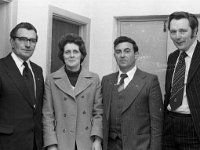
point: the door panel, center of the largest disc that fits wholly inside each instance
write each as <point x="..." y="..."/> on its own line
<point x="152" y="42"/>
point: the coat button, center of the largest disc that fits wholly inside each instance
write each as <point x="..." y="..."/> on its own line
<point x="65" y="98"/>
<point x="84" y="112"/>
<point x="82" y="96"/>
<point x="64" y="130"/>
<point x="65" y="115"/>
<point x="86" y="128"/>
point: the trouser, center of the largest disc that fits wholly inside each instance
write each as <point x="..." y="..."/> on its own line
<point x="179" y="132"/>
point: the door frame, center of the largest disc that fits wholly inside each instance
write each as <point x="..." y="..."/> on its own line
<point x="67" y="16"/>
<point x="9" y="17"/>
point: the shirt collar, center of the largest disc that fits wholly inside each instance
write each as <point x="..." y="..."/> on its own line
<point x="18" y="60"/>
<point x="130" y="73"/>
<point x="190" y="51"/>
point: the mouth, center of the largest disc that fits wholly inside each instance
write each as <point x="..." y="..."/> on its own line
<point x="122" y="61"/>
<point x="180" y="43"/>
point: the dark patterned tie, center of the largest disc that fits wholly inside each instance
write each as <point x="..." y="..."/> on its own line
<point x="28" y="78"/>
<point x="121" y="82"/>
<point x="176" y="96"/>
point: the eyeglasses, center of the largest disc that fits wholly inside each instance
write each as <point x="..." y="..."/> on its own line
<point x="25" y="40"/>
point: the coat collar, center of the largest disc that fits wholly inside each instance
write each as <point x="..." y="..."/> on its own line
<point x="110" y="82"/>
<point x="195" y="63"/>
<point x="131" y="92"/>
<point x="62" y="81"/>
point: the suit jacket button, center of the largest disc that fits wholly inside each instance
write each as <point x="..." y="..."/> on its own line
<point x="86" y="128"/>
<point x="84" y="112"/>
<point x="65" y="98"/>
<point x="65" y="115"/>
<point x="82" y="96"/>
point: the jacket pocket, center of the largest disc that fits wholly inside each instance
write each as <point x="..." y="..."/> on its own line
<point x="6" y="129"/>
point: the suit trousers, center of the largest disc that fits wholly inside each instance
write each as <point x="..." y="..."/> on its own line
<point x="179" y="132"/>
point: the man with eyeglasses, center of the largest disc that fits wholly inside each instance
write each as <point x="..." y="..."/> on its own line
<point x="21" y="93"/>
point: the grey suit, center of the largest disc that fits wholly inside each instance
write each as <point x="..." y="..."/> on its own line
<point x="142" y="112"/>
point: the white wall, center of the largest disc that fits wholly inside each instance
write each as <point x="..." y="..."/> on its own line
<point x="103" y="24"/>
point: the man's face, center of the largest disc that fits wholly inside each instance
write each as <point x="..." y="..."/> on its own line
<point x="181" y="34"/>
<point x="24" y="43"/>
<point x="125" y="56"/>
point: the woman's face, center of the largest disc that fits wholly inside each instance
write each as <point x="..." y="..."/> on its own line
<point x="72" y="56"/>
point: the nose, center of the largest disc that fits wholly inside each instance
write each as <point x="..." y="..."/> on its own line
<point x="71" y="54"/>
<point x="178" y="35"/>
<point x="28" y="44"/>
<point x="122" y="54"/>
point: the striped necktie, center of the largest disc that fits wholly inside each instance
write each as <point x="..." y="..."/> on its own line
<point x="176" y="96"/>
<point x="121" y="82"/>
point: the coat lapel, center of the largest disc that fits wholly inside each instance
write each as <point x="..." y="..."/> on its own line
<point x="17" y="78"/>
<point x="83" y="81"/>
<point x="62" y="81"/>
<point x="133" y="89"/>
<point x="195" y="63"/>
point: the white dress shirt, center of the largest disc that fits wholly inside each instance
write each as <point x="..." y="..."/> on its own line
<point x="129" y="78"/>
<point x="184" y="108"/>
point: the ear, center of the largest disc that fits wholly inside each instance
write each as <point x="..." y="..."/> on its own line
<point x="136" y="55"/>
<point x="194" y="33"/>
<point x="11" y="42"/>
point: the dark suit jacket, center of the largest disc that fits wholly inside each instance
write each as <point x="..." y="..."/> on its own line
<point x="142" y="112"/>
<point x="192" y="87"/>
<point x="18" y="117"/>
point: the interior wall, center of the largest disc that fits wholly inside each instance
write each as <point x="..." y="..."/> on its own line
<point x="103" y="24"/>
<point x="36" y="12"/>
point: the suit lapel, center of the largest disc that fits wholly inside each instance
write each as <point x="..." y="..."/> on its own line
<point x="62" y="81"/>
<point x="195" y="63"/>
<point x="38" y="81"/>
<point x="133" y="89"/>
<point x="109" y="85"/>
<point x="170" y="69"/>
<point x="83" y="81"/>
<point x="17" y="78"/>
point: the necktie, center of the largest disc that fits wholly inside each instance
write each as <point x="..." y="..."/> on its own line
<point x="178" y="83"/>
<point x="28" y="78"/>
<point x="121" y="82"/>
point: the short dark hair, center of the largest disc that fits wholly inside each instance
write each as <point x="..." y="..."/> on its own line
<point x="71" y="38"/>
<point x="122" y="39"/>
<point x="193" y="21"/>
<point x="25" y="25"/>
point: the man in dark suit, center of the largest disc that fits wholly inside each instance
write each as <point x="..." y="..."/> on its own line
<point x="21" y="93"/>
<point x="182" y="97"/>
<point x="133" y="107"/>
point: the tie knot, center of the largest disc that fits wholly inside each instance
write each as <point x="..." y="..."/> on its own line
<point x="122" y="76"/>
<point x="25" y="64"/>
<point x="183" y="55"/>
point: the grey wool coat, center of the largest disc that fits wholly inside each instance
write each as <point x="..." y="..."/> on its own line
<point x="72" y="115"/>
